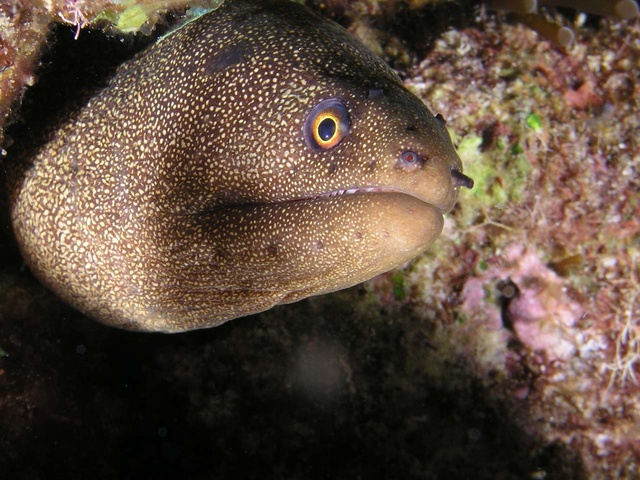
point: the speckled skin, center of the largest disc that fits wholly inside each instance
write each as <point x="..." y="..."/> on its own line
<point x="184" y="194"/>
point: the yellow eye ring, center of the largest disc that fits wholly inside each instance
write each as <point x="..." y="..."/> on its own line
<point x="327" y="124"/>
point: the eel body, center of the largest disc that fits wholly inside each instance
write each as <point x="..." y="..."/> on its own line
<point x="255" y="156"/>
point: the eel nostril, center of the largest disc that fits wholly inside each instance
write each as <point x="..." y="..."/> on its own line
<point x="460" y="179"/>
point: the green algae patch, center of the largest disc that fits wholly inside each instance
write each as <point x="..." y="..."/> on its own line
<point x="399" y="292"/>
<point x="132" y="19"/>
<point x="500" y="176"/>
<point x="534" y="122"/>
<point x="128" y="20"/>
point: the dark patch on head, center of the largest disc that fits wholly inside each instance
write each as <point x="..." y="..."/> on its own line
<point x="376" y="93"/>
<point x="272" y="250"/>
<point x="412" y="128"/>
<point x="332" y="167"/>
<point x="228" y="57"/>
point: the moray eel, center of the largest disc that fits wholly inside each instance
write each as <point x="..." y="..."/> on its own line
<point x="255" y="156"/>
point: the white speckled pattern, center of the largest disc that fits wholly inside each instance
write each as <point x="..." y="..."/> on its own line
<point x="184" y="194"/>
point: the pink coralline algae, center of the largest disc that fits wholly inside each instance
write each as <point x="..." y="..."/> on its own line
<point x="537" y="308"/>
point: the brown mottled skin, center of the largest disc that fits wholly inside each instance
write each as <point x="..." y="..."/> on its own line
<point x="184" y="194"/>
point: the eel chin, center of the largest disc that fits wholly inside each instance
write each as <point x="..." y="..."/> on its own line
<point x="246" y="259"/>
<point x="365" y="234"/>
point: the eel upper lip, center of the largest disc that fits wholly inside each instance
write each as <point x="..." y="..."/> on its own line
<point x="332" y="194"/>
<point x="359" y="190"/>
<point x="459" y="180"/>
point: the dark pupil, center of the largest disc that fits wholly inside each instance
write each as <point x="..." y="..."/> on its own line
<point x="327" y="129"/>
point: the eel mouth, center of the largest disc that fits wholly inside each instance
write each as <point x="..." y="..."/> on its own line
<point x="352" y="191"/>
<point x="458" y="180"/>
<point x="441" y="207"/>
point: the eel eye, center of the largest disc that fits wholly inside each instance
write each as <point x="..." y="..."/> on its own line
<point x="327" y="124"/>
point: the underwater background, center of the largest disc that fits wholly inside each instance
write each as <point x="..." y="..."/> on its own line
<point x="509" y="350"/>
